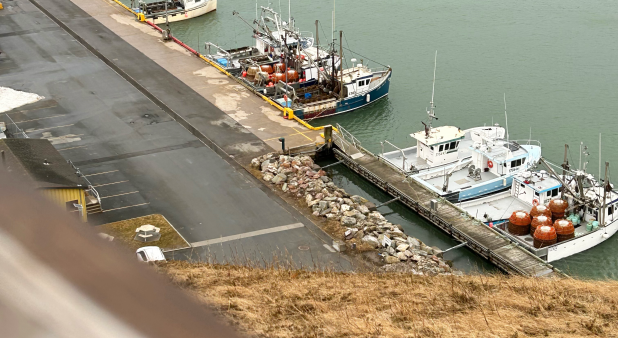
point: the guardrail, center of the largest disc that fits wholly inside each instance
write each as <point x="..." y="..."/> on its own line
<point x="12" y="129"/>
<point x="89" y="185"/>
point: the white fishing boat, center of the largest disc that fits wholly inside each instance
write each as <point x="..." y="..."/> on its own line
<point x="587" y="220"/>
<point x="176" y="10"/>
<point x="460" y="164"/>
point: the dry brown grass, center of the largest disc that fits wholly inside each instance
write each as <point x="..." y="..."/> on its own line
<point x="284" y="303"/>
<point x="124" y="232"/>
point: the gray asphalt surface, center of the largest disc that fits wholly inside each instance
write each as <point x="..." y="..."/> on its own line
<point x="111" y="114"/>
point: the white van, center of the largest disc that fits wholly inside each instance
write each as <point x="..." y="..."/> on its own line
<point x="150" y="254"/>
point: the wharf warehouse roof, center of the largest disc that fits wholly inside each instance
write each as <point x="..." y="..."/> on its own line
<point x="37" y="163"/>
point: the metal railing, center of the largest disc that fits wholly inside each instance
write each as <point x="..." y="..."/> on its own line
<point x="12" y="129"/>
<point x="90" y="189"/>
<point x="347" y="136"/>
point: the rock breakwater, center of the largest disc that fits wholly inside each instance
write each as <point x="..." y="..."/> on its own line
<point x="360" y="225"/>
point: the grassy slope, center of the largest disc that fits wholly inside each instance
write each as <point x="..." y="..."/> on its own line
<point x="281" y="303"/>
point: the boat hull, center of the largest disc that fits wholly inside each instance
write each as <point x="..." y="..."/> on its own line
<point x="350" y="104"/>
<point x="207" y="7"/>
<point x="581" y="243"/>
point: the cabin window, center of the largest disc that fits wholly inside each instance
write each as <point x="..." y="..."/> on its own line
<point x="446" y="147"/>
<point x="441" y="147"/>
<point x="517" y="163"/>
<point x="361" y="83"/>
<point x="610" y="210"/>
<point x="536" y="193"/>
<point x="457" y="145"/>
<point x="554" y="192"/>
<point x="523" y="185"/>
<point x="453" y="145"/>
<point x="431" y="147"/>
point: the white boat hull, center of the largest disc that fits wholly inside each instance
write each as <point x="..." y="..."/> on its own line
<point x="582" y="243"/>
<point x="206" y="7"/>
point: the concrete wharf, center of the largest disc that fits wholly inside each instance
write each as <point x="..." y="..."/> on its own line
<point x="487" y="242"/>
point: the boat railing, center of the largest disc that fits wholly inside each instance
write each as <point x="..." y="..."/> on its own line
<point x="220" y="50"/>
<point x="527" y="142"/>
<point x="398" y="149"/>
<point x="347" y="136"/>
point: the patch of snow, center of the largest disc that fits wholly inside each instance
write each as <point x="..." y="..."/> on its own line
<point x="11" y="99"/>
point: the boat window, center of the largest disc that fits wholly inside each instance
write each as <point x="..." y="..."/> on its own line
<point x="610" y="210"/>
<point x="441" y="147"/>
<point x="554" y="192"/>
<point x="523" y="185"/>
<point x="446" y="146"/>
<point x="516" y="163"/>
<point x="453" y="145"/>
<point x="431" y="147"/>
<point x="536" y="193"/>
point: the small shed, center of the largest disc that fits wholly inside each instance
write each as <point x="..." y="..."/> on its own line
<point x="37" y="162"/>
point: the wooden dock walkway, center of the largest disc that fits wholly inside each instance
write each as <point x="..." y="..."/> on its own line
<point x="485" y="241"/>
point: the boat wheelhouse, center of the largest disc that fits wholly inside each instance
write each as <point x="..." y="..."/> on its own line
<point x="438" y="147"/>
<point x="490" y="169"/>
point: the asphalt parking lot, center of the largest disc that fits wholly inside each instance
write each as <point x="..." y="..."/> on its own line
<point x="139" y="159"/>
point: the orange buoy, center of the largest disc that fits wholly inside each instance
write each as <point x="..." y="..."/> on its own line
<point x="279" y="67"/>
<point x="558" y="208"/>
<point x="519" y="223"/>
<point x="544" y="235"/>
<point x="267" y="68"/>
<point x="292" y="75"/>
<point x="539" y="210"/>
<point x="564" y="229"/>
<point x="279" y="77"/>
<point x="539" y="221"/>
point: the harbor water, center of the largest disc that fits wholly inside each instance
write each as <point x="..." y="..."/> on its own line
<point x="557" y="63"/>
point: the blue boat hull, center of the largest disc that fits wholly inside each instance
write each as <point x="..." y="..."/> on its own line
<point x="351" y="103"/>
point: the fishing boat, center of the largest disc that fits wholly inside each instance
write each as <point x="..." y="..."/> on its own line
<point x="552" y="215"/>
<point x="290" y="67"/>
<point x="176" y="10"/>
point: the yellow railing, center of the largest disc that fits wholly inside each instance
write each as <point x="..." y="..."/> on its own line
<point x="287" y="112"/>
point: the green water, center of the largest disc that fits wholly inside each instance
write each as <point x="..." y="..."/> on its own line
<point x="557" y="62"/>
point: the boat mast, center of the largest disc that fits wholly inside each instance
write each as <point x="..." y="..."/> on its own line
<point x="599" y="155"/>
<point x="506" y="120"/>
<point x="431" y="113"/>
<point x="317" y="45"/>
<point x="605" y="188"/>
<point x="341" y="65"/>
<point x="565" y="166"/>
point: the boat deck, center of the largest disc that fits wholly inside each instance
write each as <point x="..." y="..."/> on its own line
<point x="459" y="180"/>
<point x="487" y="242"/>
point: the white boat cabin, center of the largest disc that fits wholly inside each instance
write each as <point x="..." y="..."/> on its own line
<point x="438" y="146"/>
<point x="493" y="154"/>
<point x="535" y="187"/>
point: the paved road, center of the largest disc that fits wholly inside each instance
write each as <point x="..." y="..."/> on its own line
<point x="118" y="129"/>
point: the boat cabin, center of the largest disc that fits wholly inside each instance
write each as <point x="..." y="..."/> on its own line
<point x="438" y="145"/>
<point x="535" y="187"/>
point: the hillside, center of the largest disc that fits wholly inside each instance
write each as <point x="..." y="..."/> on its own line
<point x="283" y="303"/>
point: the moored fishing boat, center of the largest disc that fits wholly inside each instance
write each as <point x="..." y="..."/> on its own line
<point x="559" y="215"/>
<point x="177" y="10"/>
<point x="290" y="67"/>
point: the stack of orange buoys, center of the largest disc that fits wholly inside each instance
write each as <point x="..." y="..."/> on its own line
<point x="539" y="210"/>
<point x="519" y="223"/>
<point x="564" y="229"/>
<point x="279" y="67"/>
<point x="558" y="208"/>
<point x="544" y="235"/>
<point x="539" y="221"/>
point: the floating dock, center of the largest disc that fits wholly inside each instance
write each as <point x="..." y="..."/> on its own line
<point x="488" y="243"/>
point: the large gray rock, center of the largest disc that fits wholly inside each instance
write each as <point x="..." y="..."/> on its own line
<point x="371" y="241"/>
<point x="265" y="165"/>
<point x="323" y="205"/>
<point x="348" y="221"/>
<point x="403" y="247"/>
<point x="363" y="209"/>
<point x="280" y="178"/>
<point x="358" y="199"/>
<point x="308" y="199"/>
<point x="414" y="243"/>
<point x="402" y="256"/>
